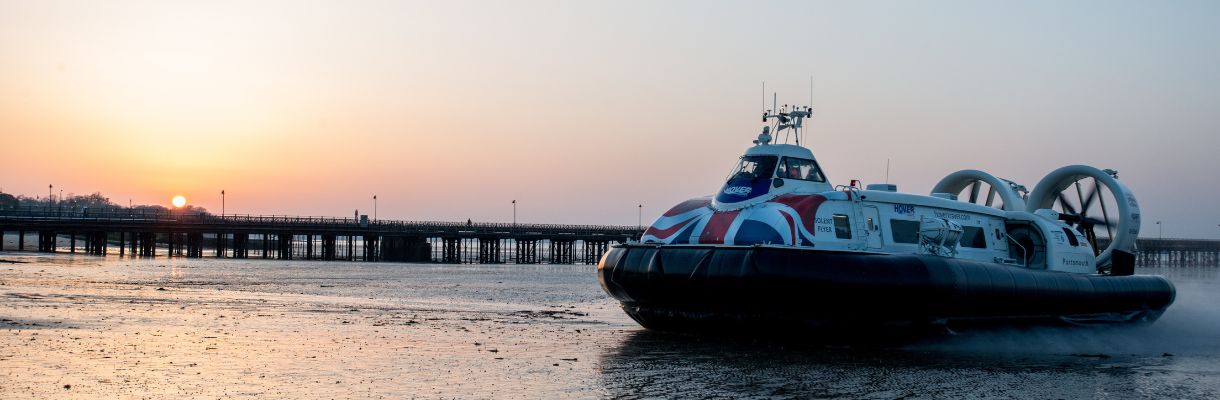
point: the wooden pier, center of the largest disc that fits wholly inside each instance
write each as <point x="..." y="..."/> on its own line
<point x="158" y="234"/>
<point x="1173" y="252"/>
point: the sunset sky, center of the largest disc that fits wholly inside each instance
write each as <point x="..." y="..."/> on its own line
<point x="582" y="110"/>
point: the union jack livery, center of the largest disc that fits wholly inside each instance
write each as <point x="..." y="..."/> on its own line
<point x="786" y="219"/>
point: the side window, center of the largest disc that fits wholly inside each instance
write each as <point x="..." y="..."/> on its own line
<point x="815" y="172"/>
<point x="904" y="231"/>
<point x="800" y="168"/>
<point x="972" y="236"/>
<point x="782" y="171"/>
<point x="1071" y="237"/>
<point x="842" y="226"/>
<point x="754" y="167"/>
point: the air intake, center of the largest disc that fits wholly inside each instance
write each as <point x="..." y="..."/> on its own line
<point x="882" y="187"/>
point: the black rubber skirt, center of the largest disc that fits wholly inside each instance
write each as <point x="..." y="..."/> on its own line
<point x="674" y="287"/>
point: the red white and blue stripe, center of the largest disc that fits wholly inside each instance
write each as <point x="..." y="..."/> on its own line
<point x="784" y="220"/>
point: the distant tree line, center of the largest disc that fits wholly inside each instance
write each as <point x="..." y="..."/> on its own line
<point x="82" y="204"/>
<point x="8" y="201"/>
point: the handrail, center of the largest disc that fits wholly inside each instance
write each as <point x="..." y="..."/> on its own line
<point x="1014" y="241"/>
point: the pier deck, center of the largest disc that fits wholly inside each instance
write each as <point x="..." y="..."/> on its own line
<point x="150" y="234"/>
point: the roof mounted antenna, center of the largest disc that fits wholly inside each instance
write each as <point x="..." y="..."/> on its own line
<point x="808" y="110"/>
<point x="785" y="118"/>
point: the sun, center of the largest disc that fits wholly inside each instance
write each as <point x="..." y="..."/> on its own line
<point x="178" y="201"/>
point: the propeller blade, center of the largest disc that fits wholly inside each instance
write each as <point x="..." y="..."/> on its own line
<point x="1089" y="225"/>
<point x="1088" y="200"/>
<point x="1064" y="203"/>
<point x="1091" y="236"/>
<point x="974" y="192"/>
<point x="1084" y="207"/>
<point x="1098" y="222"/>
<point x="1085" y="226"/>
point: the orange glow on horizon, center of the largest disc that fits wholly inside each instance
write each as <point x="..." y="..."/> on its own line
<point x="449" y="110"/>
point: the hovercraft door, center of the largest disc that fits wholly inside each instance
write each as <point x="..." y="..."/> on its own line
<point x="872" y="225"/>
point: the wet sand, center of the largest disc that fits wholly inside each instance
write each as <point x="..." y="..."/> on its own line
<point x="87" y="327"/>
<point x="169" y="328"/>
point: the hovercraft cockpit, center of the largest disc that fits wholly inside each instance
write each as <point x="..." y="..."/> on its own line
<point x="769" y="171"/>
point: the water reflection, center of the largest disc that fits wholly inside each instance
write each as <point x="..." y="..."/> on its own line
<point x="341" y="330"/>
<point x="649" y="365"/>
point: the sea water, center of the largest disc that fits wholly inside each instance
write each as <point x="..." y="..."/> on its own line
<point x="92" y="327"/>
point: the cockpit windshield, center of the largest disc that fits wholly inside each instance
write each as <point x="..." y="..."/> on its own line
<point x="800" y="168"/>
<point x="754" y="167"/>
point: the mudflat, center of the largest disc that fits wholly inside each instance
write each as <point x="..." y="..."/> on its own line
<point x="92" y="327"/>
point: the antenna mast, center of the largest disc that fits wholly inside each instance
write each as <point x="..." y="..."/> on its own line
<point x="764" y="87"/>
<point x="790" y="121"/>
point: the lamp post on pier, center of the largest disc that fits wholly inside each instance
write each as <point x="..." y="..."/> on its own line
<point x="49" y="189"/>
<point x="640" y="218"/>
<point x="222" y="202"/>
<point x="514" y="214"/>
<point x="1159" y="232"/>
<point x="374" y="207"/>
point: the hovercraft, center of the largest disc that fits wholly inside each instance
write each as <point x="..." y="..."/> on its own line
<point x="779" y="245"/>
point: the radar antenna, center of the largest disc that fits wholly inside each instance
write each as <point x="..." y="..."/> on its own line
<point x="789" y="121"/>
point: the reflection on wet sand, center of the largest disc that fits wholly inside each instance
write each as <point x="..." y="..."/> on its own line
<point x="1175" y="358"/>
<point x="113" y="328"/>
<point x="652" y="365"/>
<point x="219" y="328"/>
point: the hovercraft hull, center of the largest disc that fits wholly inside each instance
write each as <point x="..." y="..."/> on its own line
<point x="692" y="287"/>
